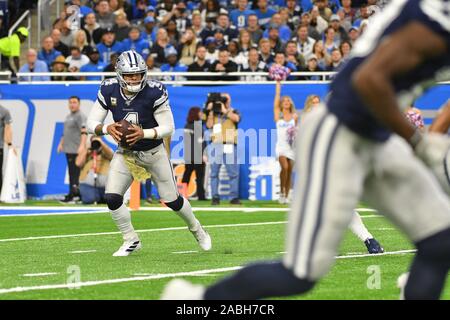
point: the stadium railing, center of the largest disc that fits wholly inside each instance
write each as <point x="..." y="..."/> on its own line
<point x="179" y="78"/>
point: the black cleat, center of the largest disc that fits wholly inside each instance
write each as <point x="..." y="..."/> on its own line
<point x="235" y="201"/>
<point x="215" y="202"/>
<point x="373" y="247"/>
<point x="68" y="199"/>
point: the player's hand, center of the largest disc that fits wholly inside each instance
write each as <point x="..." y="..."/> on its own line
<point x="433" y="148"/>
<point x="112" y="130"/>
<point x="137" y="135"/>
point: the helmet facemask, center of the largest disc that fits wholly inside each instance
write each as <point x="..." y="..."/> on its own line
<point x="128" y="63"/>
<point x="129" y="86"/>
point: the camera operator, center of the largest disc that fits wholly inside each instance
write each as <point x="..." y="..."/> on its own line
<point x="222" y="119"/>
<point x="94" y="166"/>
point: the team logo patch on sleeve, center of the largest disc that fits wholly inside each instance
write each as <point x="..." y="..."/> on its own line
<point x="113" y="102"/>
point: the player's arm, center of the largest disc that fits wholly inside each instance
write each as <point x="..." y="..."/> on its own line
<point x="165" y="128"/>
<point x="441" y="123"/>
<point x="95" y="122"/>
<point x="398" y="54"/>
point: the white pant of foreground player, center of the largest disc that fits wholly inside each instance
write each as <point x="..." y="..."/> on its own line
<point x="157" y="163"/>
<point x="339" y="169"/>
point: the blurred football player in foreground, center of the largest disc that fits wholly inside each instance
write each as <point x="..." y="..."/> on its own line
<point x="361" y="147"/>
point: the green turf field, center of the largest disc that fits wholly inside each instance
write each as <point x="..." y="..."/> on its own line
<point x="43" y="266"/>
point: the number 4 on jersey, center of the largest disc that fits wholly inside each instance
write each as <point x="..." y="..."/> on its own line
<point x="132" y="117"/>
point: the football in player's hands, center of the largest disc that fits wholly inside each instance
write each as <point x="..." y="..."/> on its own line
<point x="124" y="128"/>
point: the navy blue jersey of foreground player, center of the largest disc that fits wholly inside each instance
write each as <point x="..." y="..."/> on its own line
<point x="137" y="110"/>
<point x="344" y="101"/>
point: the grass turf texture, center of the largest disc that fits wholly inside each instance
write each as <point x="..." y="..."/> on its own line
<point x="232" y="246"/>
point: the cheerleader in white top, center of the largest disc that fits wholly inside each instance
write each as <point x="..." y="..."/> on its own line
<point x="286" y="119"/>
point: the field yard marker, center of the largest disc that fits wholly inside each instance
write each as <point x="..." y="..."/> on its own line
<point x="182" y="252"/>
<point x="83" y="251"/>
<point x="43" y="274"/>
<point x="140" y="231"/>
<point x="161" y="276"/>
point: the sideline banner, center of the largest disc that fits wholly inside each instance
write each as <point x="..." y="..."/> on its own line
<point x="13" y="187"/>
<point x="38" y="113"/>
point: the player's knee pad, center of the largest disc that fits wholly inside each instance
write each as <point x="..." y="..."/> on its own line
<point x="113" y="200"/>
<point x="175" y="205"/>
<point x="436" y="247"/>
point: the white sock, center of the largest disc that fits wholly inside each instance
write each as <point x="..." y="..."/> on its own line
<point x="358" y="228"/>
<point x="122" y="218"/>
<point x="187" y="215"/>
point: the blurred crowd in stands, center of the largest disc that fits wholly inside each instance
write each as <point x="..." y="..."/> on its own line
<point x="205" y="35"/>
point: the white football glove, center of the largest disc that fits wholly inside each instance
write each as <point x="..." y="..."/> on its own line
<point x="434" y="150"/>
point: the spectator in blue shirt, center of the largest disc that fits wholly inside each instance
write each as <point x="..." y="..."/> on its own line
<point x="94" y="65"/>
<point x="149" y="31"/>
<point x="264" y="13"/>
<point x="306" y="5"/>
<point x="48" y="53"/>
<point x="108" y="46"/>
<point x="172" y="64"/>
<point x="34" y="65"/>
<point x="239" y="16"/>
<point x="84" y="10"/>
<point x="136" y="43"/>
<point x="283" y="30"/>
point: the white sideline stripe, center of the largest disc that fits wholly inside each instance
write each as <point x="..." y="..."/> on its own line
<point x="158" y="276"/>
<point x="43" y="274"/>
<point x="140" y="231"/>
<point x="83" y="251"/>
<point x="182" y="252"/>
<point x="156" y="209"/>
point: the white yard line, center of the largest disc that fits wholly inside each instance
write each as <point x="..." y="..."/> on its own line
<point x="120" y="280"/>
<point x="376" y="255"/>
<point x="43" y="274"/>
<point x="351" y="255"/>
<point x="183" y="252"/>
<point x="150" y="230"/>
<point x="159" y="276"/>
<point x="140" y="231"/>
<point x="83" y="251"/>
